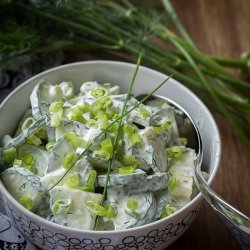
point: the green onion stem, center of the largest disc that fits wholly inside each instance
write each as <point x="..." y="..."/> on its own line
<point x="120" y="121"/>
<point x="213" y="93"/>
<point x="165" y="34"/>
<point x="179" y="62"/>
<point x="229" y="62"/>
<point x="171" y="12"/>
<point x="118" y="132"/>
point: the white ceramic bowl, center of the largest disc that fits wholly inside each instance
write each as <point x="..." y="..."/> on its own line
<point x="156" y="235"/>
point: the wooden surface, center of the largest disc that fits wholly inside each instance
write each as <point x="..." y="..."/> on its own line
<point x="222" y="28"/>
<point x="219" y="27"/>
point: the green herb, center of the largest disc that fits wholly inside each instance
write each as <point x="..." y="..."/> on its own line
<point x="118" y="131"/>
<point x="27" y="202"/>
<point x="167" y="210"/>
<point x="132" y="204"/>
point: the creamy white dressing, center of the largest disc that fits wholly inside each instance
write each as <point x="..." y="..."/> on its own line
<point x="141" y="169"/>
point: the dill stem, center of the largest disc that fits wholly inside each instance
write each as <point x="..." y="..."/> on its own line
<point x="171" y="12"/>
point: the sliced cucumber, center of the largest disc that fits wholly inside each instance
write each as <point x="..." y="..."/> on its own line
<point x="40" y="156"/>
<point x="150" y="153"/>
<point x="159" y="161"/>
<point x="78" y="214"/>
<point x="121" y="179"/>
<point x="82" y="167"/>
<point x="58" y="153"/>
<point x="101" y="164"/>
<point x="21" y="138"/>
<point x="21" y="182"/>
<point x="126" y="218"/>
<point x="183" y="171"/>
<point x="43" y="94"/>
<point x="162" y="198"/>
<point x="170" y="136"/>
<point x="153" y="183"/>
<point x="78" y="128"/>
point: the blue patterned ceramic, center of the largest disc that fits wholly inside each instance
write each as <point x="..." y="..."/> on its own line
<point x="156" y="235"/>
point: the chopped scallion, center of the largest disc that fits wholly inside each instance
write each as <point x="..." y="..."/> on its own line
<point x="61" y="206"/>
<point x="135" y="138"/>
<point x="126" y="170"/>
<point x="75" y="141"/>
<point x="69" y="159"/>
<point x="101" y="154"/>
<point x="76" y="114"/>
<point x="176" y="152"/>
<point x="17" y="162"/>
<point x="56" y="107"/>
<point x="184" y="141"/>
<point x="167" y="210"/>
<point x="28" y="159"/>
<point x="167" y="123"/>
<point x="98" y="92"/>
<point x="132" y="204"/>
<point x="34" y="140"/>
<point x="130" y="160"/>
<point x="103" y="122"/>
<point x="96" y="208"/>
<point x="55" y="120"/>
<point x="9" y="155"/>
<point x="129" y="130"/>
<point x="85" y="107"/>
<point x="31" y="168"/>
<point x="92" y="123"/>
<point x="110" y="211"/>
<point x="50" y="145"/>
<point x="107" y="145"/>
<point x="144" y="112"/>
<point x="74" y="181"/>
<point x="26" y="124"/>
<point x="27" y="202"/>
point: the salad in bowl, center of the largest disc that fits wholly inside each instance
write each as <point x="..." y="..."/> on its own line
<point x="84" y="165"/>
<point x="76" y="162"/>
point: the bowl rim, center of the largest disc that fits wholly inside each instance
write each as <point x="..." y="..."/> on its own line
<point x="29" y="214"/>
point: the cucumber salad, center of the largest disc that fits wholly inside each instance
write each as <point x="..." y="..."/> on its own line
<point x="63" y="163"/>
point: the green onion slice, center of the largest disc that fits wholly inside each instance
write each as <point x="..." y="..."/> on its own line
<point x="27" y="202"/>
<point x="132" y="204"/>
<point x="61" y="206"/>
<point x="96" y="208"/>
